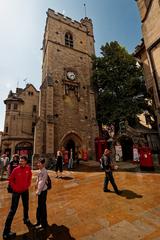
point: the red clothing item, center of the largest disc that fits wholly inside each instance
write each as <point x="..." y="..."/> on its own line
<point x="20" y="179"/>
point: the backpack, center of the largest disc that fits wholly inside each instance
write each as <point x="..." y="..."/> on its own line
<point x="49" y="183"/>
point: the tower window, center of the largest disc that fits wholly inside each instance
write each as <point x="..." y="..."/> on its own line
<point x="69" y="40"/>
<point x="6" y="129"/>
<point x="9" y="106"/>
<point x="33" y="127"/>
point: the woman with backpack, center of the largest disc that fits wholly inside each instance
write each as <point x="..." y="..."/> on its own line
<point x="41" y="192"/>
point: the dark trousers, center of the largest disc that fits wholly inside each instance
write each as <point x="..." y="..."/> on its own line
<point x="14" y="205"/>
<point x="41" y="214"/>
<point x="59" y="166"/>
<point x="109" y="178"/>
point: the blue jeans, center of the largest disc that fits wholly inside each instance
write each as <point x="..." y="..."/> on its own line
<point x="109" y="178"/>
<point x="70" y="163"/>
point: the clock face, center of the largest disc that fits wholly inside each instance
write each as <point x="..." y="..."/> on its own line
<point x="71" y="75"/>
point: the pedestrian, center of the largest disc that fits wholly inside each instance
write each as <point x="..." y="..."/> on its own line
<point x="20" y="181"/>
<point x="59" y="164"/>
<point x="13" y="163"/>
<point x="41" y="192"/>
<point x="79" y="156"/>
<point x="4" y="161"/>
<point x="108" y="167"/>
<point x="70" y="163"/>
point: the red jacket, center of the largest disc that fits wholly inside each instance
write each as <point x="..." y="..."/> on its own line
<point x="20" y="179"/>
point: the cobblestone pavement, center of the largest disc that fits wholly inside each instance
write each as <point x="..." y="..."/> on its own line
<point x="78" y="209"/>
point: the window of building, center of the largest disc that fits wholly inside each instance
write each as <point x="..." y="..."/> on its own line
<point x="34" y="108"/>
<point x="69" y="40"/>
<point x="6" y="129"/>
<point x="30" y="93"/>
<point x="33" y="126"/>
<point x="9" y="106"/>
<point x="15" y="106"/>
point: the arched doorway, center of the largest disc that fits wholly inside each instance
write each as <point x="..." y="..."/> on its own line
<point x="127" y="147"/>
<point x="71" y="141"/>
<point x="70" y="145"/>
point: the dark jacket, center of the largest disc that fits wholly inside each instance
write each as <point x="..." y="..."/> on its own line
<point x="106" y="163"/>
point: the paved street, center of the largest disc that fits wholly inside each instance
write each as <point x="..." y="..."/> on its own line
<point x="79" y="209"/>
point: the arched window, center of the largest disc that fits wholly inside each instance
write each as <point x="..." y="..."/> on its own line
<point x="69" y="40"/>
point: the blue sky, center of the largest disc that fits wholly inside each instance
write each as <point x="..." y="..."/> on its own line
<point x="22" y="25"/>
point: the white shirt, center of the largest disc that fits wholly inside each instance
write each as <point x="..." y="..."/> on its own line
<point x="41" y="180"/>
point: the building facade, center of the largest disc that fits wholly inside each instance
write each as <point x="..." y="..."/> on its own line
<point x="149" y="50"/>
<point x="67" y="118"/>
<point x="1" y="133"/>
<point x="20" y="119"/>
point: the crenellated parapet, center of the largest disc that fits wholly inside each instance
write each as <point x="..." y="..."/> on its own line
<point x="85" y="24"/>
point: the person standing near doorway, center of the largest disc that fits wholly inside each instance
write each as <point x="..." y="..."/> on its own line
<point x="70" y="163"/>
<point x="20" y="181"/>
<point x="107" y="165"/>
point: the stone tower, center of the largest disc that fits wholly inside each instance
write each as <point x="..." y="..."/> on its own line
<point x="67" y="104"/>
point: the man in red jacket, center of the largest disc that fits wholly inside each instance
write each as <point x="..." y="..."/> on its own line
<point x="20" y="181"/>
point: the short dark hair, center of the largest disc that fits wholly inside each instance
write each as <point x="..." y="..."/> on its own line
<point x="24" y="158"/>
<point x="41" y="160"/>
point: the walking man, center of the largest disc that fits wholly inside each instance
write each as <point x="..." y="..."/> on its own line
<point x="20" y="181"/>
<point x="107" y="166"/>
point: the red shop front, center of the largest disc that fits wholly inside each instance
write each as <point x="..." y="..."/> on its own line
<point x="100" y="145"/>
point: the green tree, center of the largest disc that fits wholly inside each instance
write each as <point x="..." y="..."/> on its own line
<point x="119" y="86"/>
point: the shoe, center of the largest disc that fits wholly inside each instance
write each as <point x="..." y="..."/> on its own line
<point x="37" y="225"/>
<point x="28" y="222"/>
<point x="9" y="235"/>
<point x="45" y="225"/>
<point x="107" y="190"/>
<point x="118" y="192"/>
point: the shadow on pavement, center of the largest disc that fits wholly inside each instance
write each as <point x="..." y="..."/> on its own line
<point x="94" y="166"/>
<point x="67" y="178"/>
<point x="84" y="168"/>
<point x="53" y="232"/>
<point x="130" y="194"/>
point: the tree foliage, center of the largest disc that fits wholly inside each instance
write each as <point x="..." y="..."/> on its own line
<point x="118" y="84"/>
